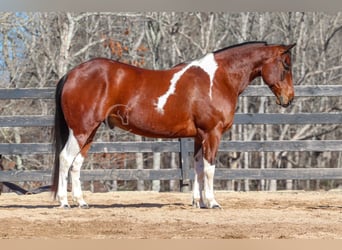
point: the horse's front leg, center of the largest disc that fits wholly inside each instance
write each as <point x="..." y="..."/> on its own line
<point x="198" y="186"/>
<point x="210" y="145"/>
<point x="209" y="171"/>
<point x="203" y="189"/>
<point x="206" y="146"/>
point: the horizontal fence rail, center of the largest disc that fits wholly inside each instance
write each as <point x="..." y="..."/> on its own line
<point x="176" y="174"/>
<point x="174" y="146"/>
<point x="253" y="90"/>
<point x="185" y="146"/>
<point x="258" y="118"/>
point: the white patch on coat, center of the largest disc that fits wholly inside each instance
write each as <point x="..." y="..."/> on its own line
<point x="207" y="63"/>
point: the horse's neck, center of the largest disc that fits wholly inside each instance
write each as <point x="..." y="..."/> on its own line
<point x="249" y="70"/>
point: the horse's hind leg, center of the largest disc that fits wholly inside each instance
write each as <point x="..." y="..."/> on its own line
<point x="73" y="155"/>
<point x="67" y="158"/>
<point x="76" y="171"/>
<point x="75" y="174"/>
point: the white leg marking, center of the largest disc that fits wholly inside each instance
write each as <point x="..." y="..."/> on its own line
<point x="67" y="158"/>
<point x="76" y="184"/>
<point x="63" y="178"/>
<point x="209" y="171"/>
<point x="199" y="181"/>
<point x="206" y="63"/>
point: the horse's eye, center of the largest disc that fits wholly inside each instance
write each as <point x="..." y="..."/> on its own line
<point x="286" y="65"/>
<point x="282" y="76"/>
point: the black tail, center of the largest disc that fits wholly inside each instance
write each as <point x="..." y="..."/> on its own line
<point x="61" y="133"/>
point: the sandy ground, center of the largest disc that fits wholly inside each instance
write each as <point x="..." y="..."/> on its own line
<point x="151" y="215"/>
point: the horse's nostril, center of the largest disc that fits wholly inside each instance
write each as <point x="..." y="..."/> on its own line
<point x="291" y="101"/>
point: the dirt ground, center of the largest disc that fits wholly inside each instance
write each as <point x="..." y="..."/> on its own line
<point x="151" y="215"/>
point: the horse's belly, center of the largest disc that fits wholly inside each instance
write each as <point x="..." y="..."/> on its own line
<point x="155" y="126"/>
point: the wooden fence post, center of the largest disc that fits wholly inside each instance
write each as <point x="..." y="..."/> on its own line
<point x="184" y="165"/>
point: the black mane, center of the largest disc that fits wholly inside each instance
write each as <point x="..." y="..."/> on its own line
<point x="241" y="44"/>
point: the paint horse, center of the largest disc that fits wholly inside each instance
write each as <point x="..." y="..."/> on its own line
<point x="195" y="99"/>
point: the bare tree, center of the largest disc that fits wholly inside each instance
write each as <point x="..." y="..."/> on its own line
<point x="38" y="48"/>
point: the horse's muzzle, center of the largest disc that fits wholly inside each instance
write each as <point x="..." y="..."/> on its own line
<point x="284" y="102"/>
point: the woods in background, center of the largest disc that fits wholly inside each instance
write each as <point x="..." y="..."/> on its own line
<point x="36" y="49"/>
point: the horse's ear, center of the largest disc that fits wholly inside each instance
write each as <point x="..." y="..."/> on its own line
<point x="288" y="47"/>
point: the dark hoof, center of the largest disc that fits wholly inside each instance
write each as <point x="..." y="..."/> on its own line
<point x="216" y="207"/>
<point x="65" y="206"/>
<point x="84" y="206"/>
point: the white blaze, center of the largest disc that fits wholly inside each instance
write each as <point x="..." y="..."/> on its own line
<point x="206" y="63"/>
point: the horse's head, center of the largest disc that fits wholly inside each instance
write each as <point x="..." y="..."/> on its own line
<point x="276" y="73"/>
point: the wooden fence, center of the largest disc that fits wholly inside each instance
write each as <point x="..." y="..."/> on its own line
<point x="185" y="146"/>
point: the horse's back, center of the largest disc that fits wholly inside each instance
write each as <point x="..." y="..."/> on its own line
<point x="155" y="103"/>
